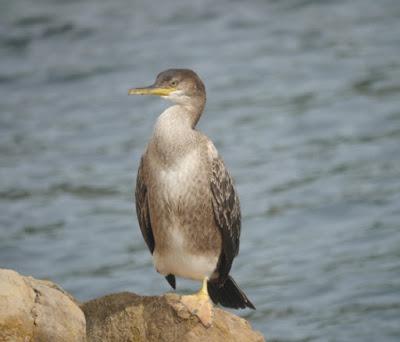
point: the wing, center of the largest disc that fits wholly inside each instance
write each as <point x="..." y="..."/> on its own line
<point x="143" y="215"/>
<point x="226" y="208"/>
<point x="142" y="208"/>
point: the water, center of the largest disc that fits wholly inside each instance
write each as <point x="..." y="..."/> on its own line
<point x="303" y="104"/>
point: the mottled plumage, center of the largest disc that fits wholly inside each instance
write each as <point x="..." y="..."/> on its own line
<point x="186" y="203"/>
<point x="226" y="209"/>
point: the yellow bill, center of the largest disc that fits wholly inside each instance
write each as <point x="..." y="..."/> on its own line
<point x="151" y="91"/>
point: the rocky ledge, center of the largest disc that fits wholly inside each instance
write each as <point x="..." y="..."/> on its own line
<point x="33" y="310"/>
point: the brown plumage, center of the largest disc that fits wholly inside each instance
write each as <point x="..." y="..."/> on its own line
<point x="187" y="207"/>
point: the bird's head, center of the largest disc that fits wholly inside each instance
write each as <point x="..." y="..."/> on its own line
<point x="181" y="86"/>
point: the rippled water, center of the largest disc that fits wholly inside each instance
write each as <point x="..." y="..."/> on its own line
<point x="303" y="103"/>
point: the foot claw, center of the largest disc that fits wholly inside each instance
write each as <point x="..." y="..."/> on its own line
<point x="199" y="306"/>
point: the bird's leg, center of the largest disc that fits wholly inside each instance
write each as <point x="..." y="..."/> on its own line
<point x="200" y="304"/>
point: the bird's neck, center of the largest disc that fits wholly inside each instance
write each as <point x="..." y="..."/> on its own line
<point x="174" y="133"/>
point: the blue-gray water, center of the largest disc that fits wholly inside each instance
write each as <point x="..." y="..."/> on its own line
<point x="303" y="104"/>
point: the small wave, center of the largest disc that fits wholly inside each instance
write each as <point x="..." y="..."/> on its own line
<point x="84" y="190"/>
<point x="19" y="35"/>
<point x="79" y="74"/>
<point x="16" y="42"/>
<point x="34" y="20"/>
<point x="15" y="194"/>
<point x="43" y="229"/>
<point x="294" y="183"/>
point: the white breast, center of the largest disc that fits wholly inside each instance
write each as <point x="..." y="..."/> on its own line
<point x="175" y="180"/>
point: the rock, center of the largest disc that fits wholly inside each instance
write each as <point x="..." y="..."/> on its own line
<point x="36" y="310"/>
<point x="131" y="318"/>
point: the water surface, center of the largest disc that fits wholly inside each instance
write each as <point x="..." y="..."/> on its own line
<point x="303" y="104"/>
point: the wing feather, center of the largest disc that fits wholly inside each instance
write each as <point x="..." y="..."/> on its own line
<point x="142" y="208"/>
<point x="227" y="215"/>
<point x="143" y="215"/>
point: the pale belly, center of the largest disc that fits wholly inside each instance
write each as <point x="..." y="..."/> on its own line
<point x="178" y="260"/>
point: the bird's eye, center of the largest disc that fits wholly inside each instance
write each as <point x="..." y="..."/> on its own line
<point x="174" y="83"/>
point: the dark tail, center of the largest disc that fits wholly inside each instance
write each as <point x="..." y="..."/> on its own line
<point x="229" y="295"/>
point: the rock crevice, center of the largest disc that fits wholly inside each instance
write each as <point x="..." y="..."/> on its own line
<point x="34" y="311"/>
